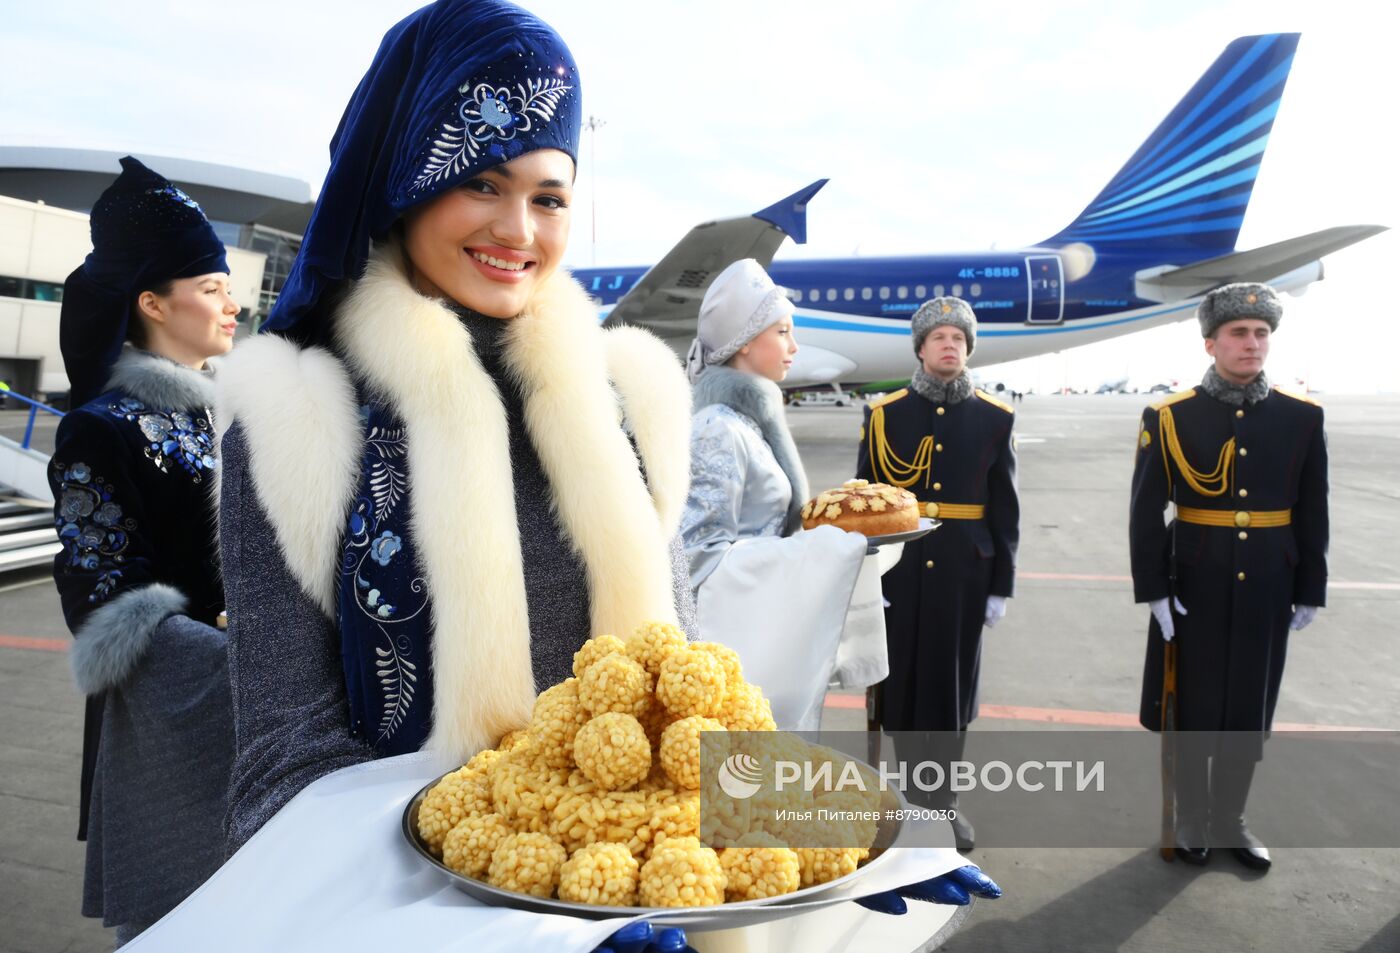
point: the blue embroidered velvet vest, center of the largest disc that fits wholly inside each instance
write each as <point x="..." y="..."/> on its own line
<point x="385" y="616"/>
<point x="386" y="619"/>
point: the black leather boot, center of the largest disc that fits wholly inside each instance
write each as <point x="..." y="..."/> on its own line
<point x="1192" y="806"/>
<point x="1230" y="782"/>
<point x="964" y="834"/>
<point x="942" y="748"/>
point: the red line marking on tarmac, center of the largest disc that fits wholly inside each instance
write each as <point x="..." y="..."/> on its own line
<point x="1092" y="577"/>
<point x="1072" y="577"/>
<point x="1072" y="716"/>
<point x="37" y="645"/>
<point x="1063" y="716"/>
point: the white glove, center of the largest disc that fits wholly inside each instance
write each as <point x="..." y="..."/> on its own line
<point x="1164" y="617"/>
<point x="1302" y="617"/>
<point x="996" y="609"/>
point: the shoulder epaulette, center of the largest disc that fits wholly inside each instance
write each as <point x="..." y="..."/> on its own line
<point x="1296" y="396"/>
<point x="993" y="401"/>
<point x="1176" y="398"/>
<point x="890" y="398"/>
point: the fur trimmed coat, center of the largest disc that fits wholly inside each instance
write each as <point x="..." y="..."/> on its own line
<point x="132" y="477"/>
<point x="775" y="594"/>
<point x="746" y="478"/>
<point x="607" y="418"/>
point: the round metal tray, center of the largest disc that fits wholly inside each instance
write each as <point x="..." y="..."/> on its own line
<point x="722" y="916"/>
<point x="926" y="526"/>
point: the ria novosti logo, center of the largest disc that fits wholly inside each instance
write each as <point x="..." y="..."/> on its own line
<point x="740" y="776"/>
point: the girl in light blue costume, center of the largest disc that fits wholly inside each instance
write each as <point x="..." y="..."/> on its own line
<point x="776" y="595"/>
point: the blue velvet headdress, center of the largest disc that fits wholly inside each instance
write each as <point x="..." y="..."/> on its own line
<point x="145" y="232"/>
<point x="455" y="88"/>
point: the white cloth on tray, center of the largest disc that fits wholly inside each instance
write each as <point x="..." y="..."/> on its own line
<point x="332" y="871"/>
<point x="780" y="602"/>
<point x="862" y="657"/>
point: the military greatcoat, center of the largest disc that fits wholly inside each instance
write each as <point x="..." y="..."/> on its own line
<point x="960" y="460"/>
<point x="1247" y="543"/>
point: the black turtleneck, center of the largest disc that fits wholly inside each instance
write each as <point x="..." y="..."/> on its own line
<point x="556" y="581"/>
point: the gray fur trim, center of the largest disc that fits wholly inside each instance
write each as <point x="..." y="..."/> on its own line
<point x="1236" y="302"/>
<point x="1236" y="395"/>
<point x="159" y="382"/>
<point x="939" y="391"/>
<point x="760" y="400"/>
<point x="112" y="639"/>
<point x="945" y="310"/>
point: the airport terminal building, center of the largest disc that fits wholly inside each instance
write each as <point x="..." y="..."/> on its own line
<point x="45" y="195"/>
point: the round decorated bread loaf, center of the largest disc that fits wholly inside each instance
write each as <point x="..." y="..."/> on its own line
<point x="871" y="509"/>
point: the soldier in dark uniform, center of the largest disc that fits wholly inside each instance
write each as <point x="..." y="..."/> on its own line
<point x="951" y="445"/>
<point x="1242" y="562"/>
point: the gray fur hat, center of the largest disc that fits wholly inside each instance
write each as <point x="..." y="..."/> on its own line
<point x="1244" y="299"/>
<point x="945" y="310"/>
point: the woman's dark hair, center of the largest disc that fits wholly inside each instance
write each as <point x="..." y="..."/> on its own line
<point x="136" y="324"/>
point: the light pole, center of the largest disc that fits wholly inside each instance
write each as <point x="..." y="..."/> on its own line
<point x="593" y="125"/>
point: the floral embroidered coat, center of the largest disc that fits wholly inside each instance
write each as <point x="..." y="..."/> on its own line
<point x="138" y="580"/>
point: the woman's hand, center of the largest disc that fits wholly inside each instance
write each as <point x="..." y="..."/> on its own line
<point x="642" y="937"/>
<point x="957" y="887"/>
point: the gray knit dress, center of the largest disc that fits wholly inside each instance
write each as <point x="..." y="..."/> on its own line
<point x="290" y="709"/>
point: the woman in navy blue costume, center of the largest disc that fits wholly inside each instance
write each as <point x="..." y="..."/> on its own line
<point x="430" y="497"/>
<point x="441" y="475"/>
<point x="132" y="476"/>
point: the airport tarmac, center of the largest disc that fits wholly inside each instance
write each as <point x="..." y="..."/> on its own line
<point x="1069" y="651"/>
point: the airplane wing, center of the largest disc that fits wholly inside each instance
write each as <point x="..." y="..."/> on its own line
<point x="666" y="300"/>
<point x="1258" y="264"/>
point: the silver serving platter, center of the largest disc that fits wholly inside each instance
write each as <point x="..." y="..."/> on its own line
<point x="926" y="526"/>
<point x="720" y="917"/>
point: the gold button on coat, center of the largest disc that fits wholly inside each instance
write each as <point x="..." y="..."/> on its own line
<point x="1244" y="493"/>
<point x="929" y="564"/>
<point x="1239" y="413"/>
<point x="1240" y="577"/>
<point x="1242" y="518"/>
<point x="940" y="411"/>
<point x="938" y="447"/>
<point x="1244" y="452"/>
<point x="1244" y="535"/>
<point x="938" y="486"/>
<point x="931" y="510"/>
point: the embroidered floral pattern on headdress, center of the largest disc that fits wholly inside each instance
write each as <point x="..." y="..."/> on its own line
<point x="175" y="194"/>
<point x="491" y="116"/>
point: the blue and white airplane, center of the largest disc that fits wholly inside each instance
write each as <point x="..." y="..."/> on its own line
<point x="1142" y="254"/>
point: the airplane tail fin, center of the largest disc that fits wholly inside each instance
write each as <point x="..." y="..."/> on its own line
<point x="1188" y="185"/>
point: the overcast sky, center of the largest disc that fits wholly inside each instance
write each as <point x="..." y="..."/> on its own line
<point x="943" y="126"/>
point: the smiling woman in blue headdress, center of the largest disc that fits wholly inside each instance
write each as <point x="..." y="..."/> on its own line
<point x="440" y="475"/>
<point x="138" y="576"/>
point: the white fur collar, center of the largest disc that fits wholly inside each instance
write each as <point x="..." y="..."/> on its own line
<point x="299" y="413"/>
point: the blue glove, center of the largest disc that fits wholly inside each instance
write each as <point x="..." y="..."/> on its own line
<point x="955" y="887"/>
<point x="642" y="937"/>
